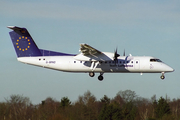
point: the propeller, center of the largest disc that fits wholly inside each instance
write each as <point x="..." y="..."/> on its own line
<point x="116" y="55"/>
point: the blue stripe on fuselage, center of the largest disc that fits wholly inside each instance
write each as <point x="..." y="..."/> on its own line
<point x="53" y="53"/>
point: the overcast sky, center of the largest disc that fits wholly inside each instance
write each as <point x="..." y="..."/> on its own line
<point x="141" y="27"/>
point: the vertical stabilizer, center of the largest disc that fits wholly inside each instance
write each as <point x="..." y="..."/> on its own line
<point x="23" y="43"/>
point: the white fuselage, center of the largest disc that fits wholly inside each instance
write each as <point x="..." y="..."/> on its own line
<point x="135" y="64"/>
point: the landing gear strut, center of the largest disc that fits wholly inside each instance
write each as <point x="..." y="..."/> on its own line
<point x="91" y="74"/>
<point x="162" y="76"/>
<point x="100" y="77"/>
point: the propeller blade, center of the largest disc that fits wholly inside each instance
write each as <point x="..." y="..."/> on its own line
<point x="116" y="55"/>
<point x="124" y="53"/>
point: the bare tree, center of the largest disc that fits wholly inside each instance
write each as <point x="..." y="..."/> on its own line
<point x="48" y="108"/>
<point x="127" y="95"/>
<point x="87" y="104"/>
<point x="18" y="107"/>
<point x="87" y="99"/>
<point x="118" y="99"/>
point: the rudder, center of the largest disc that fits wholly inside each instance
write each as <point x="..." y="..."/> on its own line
<point x="23" y="43"/>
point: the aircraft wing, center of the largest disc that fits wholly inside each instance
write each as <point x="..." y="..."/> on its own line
<point x="88" y="50"/>
<point x="89" y="53"/>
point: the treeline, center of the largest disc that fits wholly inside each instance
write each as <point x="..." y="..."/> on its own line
<point x="126" y="105"/>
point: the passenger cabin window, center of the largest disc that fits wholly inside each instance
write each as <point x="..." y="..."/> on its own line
<point x="155" y="60"/>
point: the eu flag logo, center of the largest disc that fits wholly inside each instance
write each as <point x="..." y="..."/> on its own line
<point x="23" y="43"/>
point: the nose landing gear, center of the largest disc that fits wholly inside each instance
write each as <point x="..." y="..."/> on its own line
<point x="162" y="76"/>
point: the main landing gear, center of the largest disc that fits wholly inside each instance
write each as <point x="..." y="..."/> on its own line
<point x="162" y="76"/>
<point x="100" y="77"/>
<point x="91" y="74"/>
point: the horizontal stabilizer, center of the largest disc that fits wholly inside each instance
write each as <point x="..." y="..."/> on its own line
<point x="14" y="28"/>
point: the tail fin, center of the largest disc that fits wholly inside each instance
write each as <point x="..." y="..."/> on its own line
<point x="23" y="43"/>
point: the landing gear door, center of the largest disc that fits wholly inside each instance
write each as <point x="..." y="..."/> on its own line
<point x="136" y="64"/>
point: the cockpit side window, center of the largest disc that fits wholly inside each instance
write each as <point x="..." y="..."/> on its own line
<point x="158" y="60"/>
<point x="155" y="60"/>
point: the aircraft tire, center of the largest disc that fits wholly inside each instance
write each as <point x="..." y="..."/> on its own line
<point x="100" y="78"/>
<point x="162" y="77"/>
<point x="91" y="74"/>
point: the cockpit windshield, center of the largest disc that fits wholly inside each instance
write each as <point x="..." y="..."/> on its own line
<point x="155" y="60"/>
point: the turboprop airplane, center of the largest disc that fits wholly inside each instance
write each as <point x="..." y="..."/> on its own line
<point x="90" y="60"/>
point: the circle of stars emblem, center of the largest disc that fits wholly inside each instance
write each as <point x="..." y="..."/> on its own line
<point x="23" y="47"/>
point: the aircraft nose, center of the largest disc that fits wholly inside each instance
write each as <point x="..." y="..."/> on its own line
<point x="169" y="69"/>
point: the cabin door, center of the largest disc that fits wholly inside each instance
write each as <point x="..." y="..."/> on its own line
<point x="136" y="64"/>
